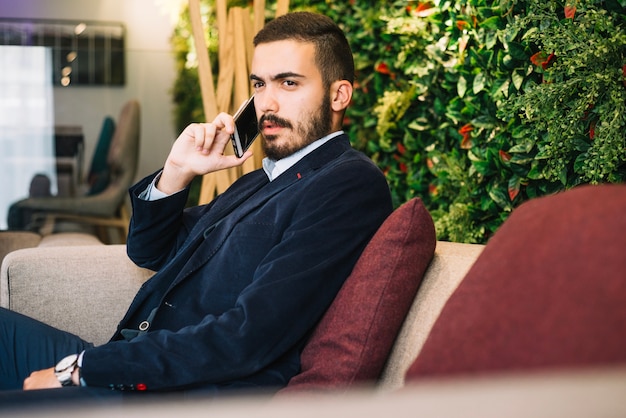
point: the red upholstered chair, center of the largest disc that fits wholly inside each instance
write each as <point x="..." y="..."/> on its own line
<point x="547" y="292"/>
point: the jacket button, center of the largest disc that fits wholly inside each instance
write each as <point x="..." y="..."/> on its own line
<point x="144" y="326"/>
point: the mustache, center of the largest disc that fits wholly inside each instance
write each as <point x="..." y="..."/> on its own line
<point x="275" y="120"/>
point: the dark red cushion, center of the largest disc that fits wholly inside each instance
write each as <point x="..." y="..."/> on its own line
<point x="548" y="291"/>
<point x="351" y="343"/>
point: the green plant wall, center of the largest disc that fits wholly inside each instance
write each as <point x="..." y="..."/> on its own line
<point x="476" y="106"/>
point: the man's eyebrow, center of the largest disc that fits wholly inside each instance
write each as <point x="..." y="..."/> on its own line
<point x="279" y="76"/>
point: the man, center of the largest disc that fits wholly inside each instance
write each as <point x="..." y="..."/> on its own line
<point x="242" y="281"/>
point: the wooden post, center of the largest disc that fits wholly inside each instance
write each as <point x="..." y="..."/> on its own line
<point x="204" y="66"/>
<point x="236" y="29"/>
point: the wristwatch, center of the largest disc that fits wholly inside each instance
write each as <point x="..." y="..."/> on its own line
<point x="64" y="369"/>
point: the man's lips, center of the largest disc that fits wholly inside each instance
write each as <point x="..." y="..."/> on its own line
<point x="269" y="128"/>
<point x="271" y="124"/>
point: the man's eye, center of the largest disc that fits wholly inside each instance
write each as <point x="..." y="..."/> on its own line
<point x="257" y="84"/>
<point x="290" y="83"/>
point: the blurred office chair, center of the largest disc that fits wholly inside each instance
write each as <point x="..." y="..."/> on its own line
<point x="105" y="208"/>
<point x="99" y="175"/>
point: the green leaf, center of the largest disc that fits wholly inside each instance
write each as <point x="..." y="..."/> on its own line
<point x="419" y="124"/>
<point x="491" y="39"/>
<point x="530" y="32"/>
<point x="579" y="163"/>
<point x="482" y="167"/>
<point x="523" y="147"/>
<point x="479" y="83"/>
<point x="486" y="122"/>
<point x="491" y="23"/>
<point x="535" y="172"/>
<point x="500" y="196"/>
<point x="521" y="159"/>
<point x="518" y="51"/>
<point x="519" y="170"/>
<point x="461" y="86"/>
<point x="563" y="176"/>
<point x="517" y="79"/>
<point x="508" y="61"/>
<point x="580" y="144"/>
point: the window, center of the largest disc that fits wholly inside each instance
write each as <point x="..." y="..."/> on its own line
<point x="83" y="52"/>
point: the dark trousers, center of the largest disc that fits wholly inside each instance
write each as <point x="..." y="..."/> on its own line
<point x="27" y="345"/>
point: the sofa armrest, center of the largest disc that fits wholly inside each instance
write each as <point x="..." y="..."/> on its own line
<point x="81" y="289"/>
<point x="449" y="265"/>
<point x="16" y="240"/>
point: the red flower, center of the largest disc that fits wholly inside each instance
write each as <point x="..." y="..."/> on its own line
<point x="422" y="9"/>
<point x="432" y="189"/>
<point x="461" y="24"/>
<point x="429" y="163"/>
<point x="513" y="192"/>
<point x="401" y="148"/>
<point x="465" y="130"/>
<point x="537" y="58"/>
<point x="543" y="60"/>
<point x="383" y="68"/>
<point x="466" y="143"/>
<point x="403" y="168"/>
<point x="570" y="11"/>
<point x="505" y="156"/>
<point x="624" y="74"/>
<point x="592" y="130"/>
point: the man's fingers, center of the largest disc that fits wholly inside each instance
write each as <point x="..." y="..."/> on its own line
<point x="213" y="136"/>
<point x="203" y="134"/>
<point x="228" y="161"/>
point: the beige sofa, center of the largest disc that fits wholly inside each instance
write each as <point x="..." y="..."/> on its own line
<point x="86" y="289"/>
<point x="71" y="281"/>
<point x="75" y="283"/>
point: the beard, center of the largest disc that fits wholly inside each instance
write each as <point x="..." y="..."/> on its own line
<point x="315" y="126"/>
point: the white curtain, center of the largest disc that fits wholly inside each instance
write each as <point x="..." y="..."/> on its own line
<point x="26" y="122"/>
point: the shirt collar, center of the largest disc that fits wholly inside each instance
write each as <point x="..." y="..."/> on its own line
<point x="274" y="169"/>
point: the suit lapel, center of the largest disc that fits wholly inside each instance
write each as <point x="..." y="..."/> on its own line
<point x="215" y="233"/>
<point x="229" y="200"/>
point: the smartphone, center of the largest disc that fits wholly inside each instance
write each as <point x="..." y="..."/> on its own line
<point x="246" y="127"/>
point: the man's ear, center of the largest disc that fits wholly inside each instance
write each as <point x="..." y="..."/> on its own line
<point x="340" y="95"/>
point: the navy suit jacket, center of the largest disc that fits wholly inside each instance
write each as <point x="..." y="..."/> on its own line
<point x="242" y="281"/>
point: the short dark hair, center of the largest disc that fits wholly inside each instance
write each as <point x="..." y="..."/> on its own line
<point x="332" y="50"/>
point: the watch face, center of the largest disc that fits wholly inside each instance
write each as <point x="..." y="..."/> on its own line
<point x="67" y="362"/>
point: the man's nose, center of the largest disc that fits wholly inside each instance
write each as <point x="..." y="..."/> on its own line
<point x="266" y="102"/>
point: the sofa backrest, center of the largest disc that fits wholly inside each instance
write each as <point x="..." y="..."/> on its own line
<point x="83" y="289"/>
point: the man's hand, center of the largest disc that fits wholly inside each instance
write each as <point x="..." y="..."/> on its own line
<point x="42" y="379"/>
<point x="197" y="151"/>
